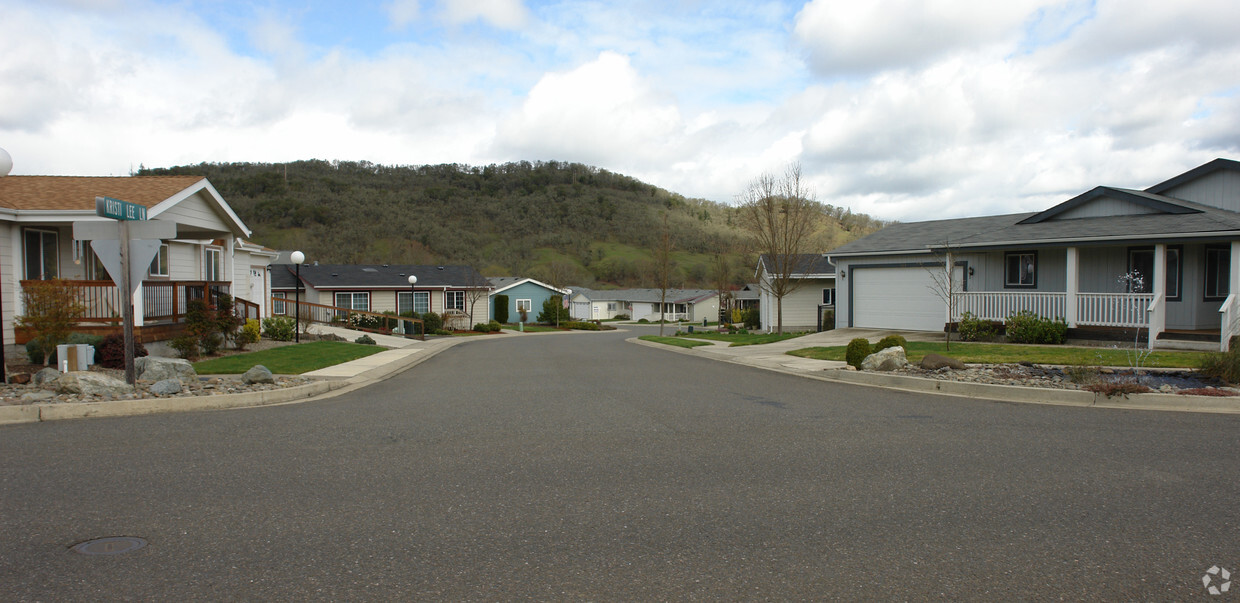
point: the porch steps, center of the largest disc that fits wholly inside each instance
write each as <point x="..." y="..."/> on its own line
<point x="1201" y="341"/>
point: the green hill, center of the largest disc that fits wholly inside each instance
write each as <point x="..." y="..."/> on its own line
<point x="565" y="222"/>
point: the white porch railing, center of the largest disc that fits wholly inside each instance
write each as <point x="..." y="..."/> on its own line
<point x="1113" y="309"/>
<point x="1092" y="309"/>
<point x="998" y="305"/>
<point x="1231" y="321"/>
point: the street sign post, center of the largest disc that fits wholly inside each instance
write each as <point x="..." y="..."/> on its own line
<point x="125" y="258"/>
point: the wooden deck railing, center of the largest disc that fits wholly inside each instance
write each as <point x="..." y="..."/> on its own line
<point x="161" y="300"/>
<point x="352" y="319"/>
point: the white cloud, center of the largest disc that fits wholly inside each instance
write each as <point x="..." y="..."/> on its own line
<point x="504" y="14"/>
<point x="403" y="12"/>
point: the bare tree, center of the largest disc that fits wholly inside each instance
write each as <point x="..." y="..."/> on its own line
<point x="781" y="215"/>
<point x="663" y="267"/>
<point x="945" y="286"/>
<point x="479" y="288"/>
<point x="721" y="272"/>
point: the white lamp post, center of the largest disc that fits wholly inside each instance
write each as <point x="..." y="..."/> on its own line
<point x="413" y="280"/>
<point x="298" y="258"/>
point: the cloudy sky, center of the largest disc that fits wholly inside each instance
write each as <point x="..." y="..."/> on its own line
<point x="902" y="109"/>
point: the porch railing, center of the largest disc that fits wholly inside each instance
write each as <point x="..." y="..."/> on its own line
<point x="161" y="300"/>
<point x="1092" y="309"/>
<point x="1231" y="321"/>
<point x="998" y="305"/>
<point x="353" y="319"/>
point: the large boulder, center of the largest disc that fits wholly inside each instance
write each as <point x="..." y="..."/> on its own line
<point x="258" y="374"/>
<point x="889" y="359"/>
<point x="47" y="375"/>
<point x="934" y="362"/>
<point x="87" y="383"/>
<point x="167" y="387"/>
<point x="154" y="368"/>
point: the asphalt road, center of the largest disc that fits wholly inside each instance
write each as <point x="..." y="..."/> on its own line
<point x="575" y="467"/>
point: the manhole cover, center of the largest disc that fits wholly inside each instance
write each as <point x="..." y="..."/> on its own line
<point x="109" y="546"/>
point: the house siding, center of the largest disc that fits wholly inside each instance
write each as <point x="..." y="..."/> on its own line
<point x="1219" y="189"/>
<point x="800" y="308"/>
<point x="537" y="295"/>
<point x="194" y="211"/>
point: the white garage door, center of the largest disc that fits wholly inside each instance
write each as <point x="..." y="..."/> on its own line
<point x="896" y="298"/>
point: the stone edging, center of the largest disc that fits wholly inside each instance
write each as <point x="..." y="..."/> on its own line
<point x="987" y="391"/>
<point x="33" y="413"/>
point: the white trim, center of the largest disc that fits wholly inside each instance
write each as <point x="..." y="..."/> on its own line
<point x="212" y="194"/>
<point x="527" y="280"/>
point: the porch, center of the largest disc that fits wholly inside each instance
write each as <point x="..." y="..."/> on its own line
<point x="159" y="307"/>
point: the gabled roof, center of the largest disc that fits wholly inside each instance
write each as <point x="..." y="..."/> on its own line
<point x="1157" y="203"/>
<point x="804" y="265"/>
<point x="376" y="277"/>
<point x="74" y="196"/>
<point x="504" y="283"/>
<point x="1195" y="173"/>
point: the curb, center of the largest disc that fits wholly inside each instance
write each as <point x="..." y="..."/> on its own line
<point x="985" y="391"/>
<point x="319" y="390"/>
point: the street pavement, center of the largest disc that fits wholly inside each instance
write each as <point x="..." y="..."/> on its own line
<point x="579" y="466"/>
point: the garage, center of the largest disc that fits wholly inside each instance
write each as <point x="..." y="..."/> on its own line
<point x="896" y="298"/>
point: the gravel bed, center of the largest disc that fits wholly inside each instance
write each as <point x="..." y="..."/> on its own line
<point x="1032" y="375"/>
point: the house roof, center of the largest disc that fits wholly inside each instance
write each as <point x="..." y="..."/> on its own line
<point x="1166" y="218"/>
<point x="805" y="264"/>
<point x="503" y="283"/>
<point x="677" y="296"/>
<point x="371" y="277"/>
<point x="750" y="291"/>
<point x="77" y="193"/>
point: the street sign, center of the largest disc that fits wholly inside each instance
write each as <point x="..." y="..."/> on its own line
<point x="141" y="252"/>
<point x="96" y="230"/>
<point x="119" y="210"/>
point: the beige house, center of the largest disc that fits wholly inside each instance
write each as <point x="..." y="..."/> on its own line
<point x="207" y="255"/>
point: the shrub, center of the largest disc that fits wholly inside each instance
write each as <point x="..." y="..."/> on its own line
<point x="52" y="308"/>
<point x="226" y="320"/>
<point x="364" y="340"/>
<point x="249" y="333"/>
<point x="642" y="321"/>
<point x="752" y="318"/>
<point x="1027" y="327"/>
<point x="111" y="351"/>
<point x="1082" y="375"/>
<point x="432" y="322"/>
<point x="482" y="327"/>
<point x="622" y="317"/>
<point x="553" y="311"/>
<point x="890" y="341"/>
<point x="972" y="328"/>
<point x="828" y="320"/>
<point x="501" y="308"/>
<point x="495" y="326"/>
<point x="581" y="325"/>
<point x="186" y="346"/>
<point x="279" y="328"/>
<point x="1221" y="365"/>
<point x="857" y="350"/>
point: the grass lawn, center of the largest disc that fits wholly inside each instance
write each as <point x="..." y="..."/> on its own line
<point x="289" y="359"/>
<point x="738" y="339"/>
<point x="676" y="341"/>
<point x="531" y="328"/>
<point x="999" y="353"/>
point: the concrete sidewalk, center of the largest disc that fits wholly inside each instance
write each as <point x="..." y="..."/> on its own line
<point x="774" y="357"/>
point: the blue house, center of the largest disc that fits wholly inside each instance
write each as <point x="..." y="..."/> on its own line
<point x="523" y="293"/>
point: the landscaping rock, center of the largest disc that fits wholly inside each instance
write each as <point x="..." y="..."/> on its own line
<point x="154" y="368"/>
<point x="19" y="379"/>
<point x="167" y="387"/>
<point x="92" y="384"/>
<point x="46" y="375"/>
<point x="258" y="374"/>
<point x="889" y="359"/>
<point x="934" y="362"/>
<point x="38" y="396"/>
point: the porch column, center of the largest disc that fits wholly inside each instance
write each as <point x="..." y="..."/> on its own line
<point x="1233" y="282"/>
<point x="1071" y="286"/>
<point x="1158" y="317"/>
<point x="139" y="309"/>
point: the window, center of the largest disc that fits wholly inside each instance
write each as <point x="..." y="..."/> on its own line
<point x="42" y="248"/>
<point x="1141" y="262"/>
<point x="1020" y="269"/>
<point x="421" y="302"/>
<point x="277" y="304"/>
<point x="213" y="264"/>
<point x="353" y="301"/>
<point x="454" y="300"/>
<point x="1218" y="268"/>
<point x="159" y="265"/>
<point x="524" y="304"/>
<point x="611" y="306"/>
<point x="828" y="297"/>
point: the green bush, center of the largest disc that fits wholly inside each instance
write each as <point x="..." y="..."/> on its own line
<point x="972" y="328"/>
<point x="752" y="318"/>
<point x="364" y="340"/>
<point x="501" y="308"/>
<point x="581" y="325"/>
<point x="642" y="321"/>
<point x="186" y="346"/>
<point x="828" y="320"/>
<point x="432" y="322"/>
<point x="1221" y="365"/>
<point x="249" y="333"/>
<point x="553" y="311"/>
<point x="482" y="327"/>
<point x="857" y="350"/>
<point x="622" y="317"/>
<point x="890" y="341"/>
<point x="279" y="328"/>
<point x="111" y="352"/>
<point x="1027" y="327"/>
<point x="495" y="326"/>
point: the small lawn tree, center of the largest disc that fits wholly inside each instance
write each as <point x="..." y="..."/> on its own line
<point x="501" y="309"/>
<point x="52" y="309"/>
<point x="945" y="286"/>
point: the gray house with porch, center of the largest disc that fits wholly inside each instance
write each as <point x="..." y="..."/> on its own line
<point x="1179" y="238"/>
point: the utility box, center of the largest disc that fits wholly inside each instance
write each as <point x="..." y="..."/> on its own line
<point x="75" y="357"/>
